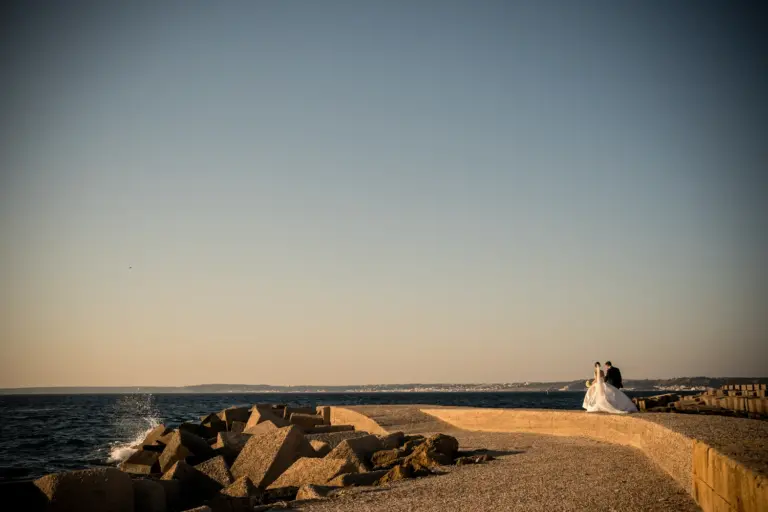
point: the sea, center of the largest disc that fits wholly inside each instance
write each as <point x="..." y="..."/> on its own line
<point x="41" y="434"/>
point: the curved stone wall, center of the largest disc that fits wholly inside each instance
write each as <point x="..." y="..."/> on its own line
<point x="717" y="482"/>
<point x="344" y="416"/>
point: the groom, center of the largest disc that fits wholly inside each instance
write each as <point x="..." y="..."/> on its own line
<point x="613" y="375"/>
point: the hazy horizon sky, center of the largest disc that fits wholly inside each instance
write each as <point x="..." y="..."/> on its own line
<point x="346" y="192"/>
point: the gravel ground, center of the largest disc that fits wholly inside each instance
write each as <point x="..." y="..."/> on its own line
<point x="532" y="472"/>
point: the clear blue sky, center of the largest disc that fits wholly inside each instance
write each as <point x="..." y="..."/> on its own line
<point x="370" y="192"/>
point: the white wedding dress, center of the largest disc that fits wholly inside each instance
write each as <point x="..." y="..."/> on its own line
<point x="602" y="397"/>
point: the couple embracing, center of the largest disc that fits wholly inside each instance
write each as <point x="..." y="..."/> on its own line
<point x="604" y="395"/>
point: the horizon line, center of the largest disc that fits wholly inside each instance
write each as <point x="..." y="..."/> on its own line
<point x="365" y="385"/>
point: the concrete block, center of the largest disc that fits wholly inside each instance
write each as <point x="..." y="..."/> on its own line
<point x="94" y="490"/>
<point x="321" y="447"/>
<point x="358" y="450"/>
<point x="180" y="446"/>
<point x="305" y="421"/>
<point x="266" y="456"/>
<point x="153" y="438"/>
<point x="358" y="479"/>
<point x="232" y="414"/>
<point x="216" y="469"/>
<point x="313" y="492"/>
<point x="148" y="496"/>
<point x="260" y="414"/>
<point x="142" y="462"/>
<point x="324" y="412"/>
<point x="314" y="471"/>
<point x="241" y="488"/>
<point x="287" y="411"/>
<point x="327" y="429"/>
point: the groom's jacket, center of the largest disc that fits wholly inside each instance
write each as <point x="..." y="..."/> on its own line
<point x="613" y="377"/>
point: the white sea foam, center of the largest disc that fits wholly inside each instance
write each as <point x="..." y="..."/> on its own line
<point x="134" y="417"/>
<point x="121" y="451"/>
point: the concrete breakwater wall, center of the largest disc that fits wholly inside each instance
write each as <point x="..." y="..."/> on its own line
<point x="717" y="478"/>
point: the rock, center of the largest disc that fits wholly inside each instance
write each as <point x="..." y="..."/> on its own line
<point x="313" y="492"/>
<point x="314" y="471"/>
<point x="386" y="458"/>
<point x="299" y="410"/>
<point x="22" y="491"/>
<point x="262" y="413"/>
<point x="238" y="427"/>
<point x="242" y="488"/>
<point x="391" y="441"/>
<point x="473" y="459"/>
<point x="411" y="445"/>
<point x="357" y="450"/>
<point x="441" y="443"/>
<point x="195" y="486"/>
<point x="396" y="473"/>
<point x="281" y="505"/>
<point x="279" y="494"/>
<point x="358" y="479"/>
<point x="142" y="462"/>
<point x="148" y="496"/>
<point x="232" y="414"/>
<point x="305" y="421"/>
<point x="438" y="450"/>
<point x="181" y="445"/>
<point x="324" y="412"/>
<point x="94" y="490"/>
<point x="154" y="436"/>
<point x="325" y="429"/>
<point x="264" y="426"/>
<point x="216" y="469"/>
<point x="266" y="456"/>
<point x="321" y="448"/>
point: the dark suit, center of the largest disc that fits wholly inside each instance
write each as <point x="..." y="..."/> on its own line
<point x="613" y="377"/>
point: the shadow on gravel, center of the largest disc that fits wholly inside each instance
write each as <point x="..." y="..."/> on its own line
<point x="492" y="453"/>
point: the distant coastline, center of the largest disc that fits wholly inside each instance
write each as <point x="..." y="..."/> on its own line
<point x="673" y="384"/>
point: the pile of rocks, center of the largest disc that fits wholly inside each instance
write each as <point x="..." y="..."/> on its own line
<point x="244" y="459"/>
<point x="738" y="400"/>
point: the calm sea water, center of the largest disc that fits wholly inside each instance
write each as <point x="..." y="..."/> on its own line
<point x="41" y="434"/>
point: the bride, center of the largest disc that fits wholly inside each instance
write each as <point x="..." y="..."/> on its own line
<point x="602" y="397"/>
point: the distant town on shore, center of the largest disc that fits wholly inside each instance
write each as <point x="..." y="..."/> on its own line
<point x="673" y="384"/>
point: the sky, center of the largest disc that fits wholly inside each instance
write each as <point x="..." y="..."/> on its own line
<point x="347" y="192"/>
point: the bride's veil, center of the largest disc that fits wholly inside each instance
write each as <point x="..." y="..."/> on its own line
<point x="599" y="381"/>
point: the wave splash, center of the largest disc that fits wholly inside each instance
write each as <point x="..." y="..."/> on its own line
<point x="134" y="416"/>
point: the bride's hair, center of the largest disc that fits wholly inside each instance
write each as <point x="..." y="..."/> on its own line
<point x="597" y="363"/>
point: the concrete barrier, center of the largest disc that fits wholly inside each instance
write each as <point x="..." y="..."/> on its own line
<point x="344" y="416"/>
<point x="716" y="482"/>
